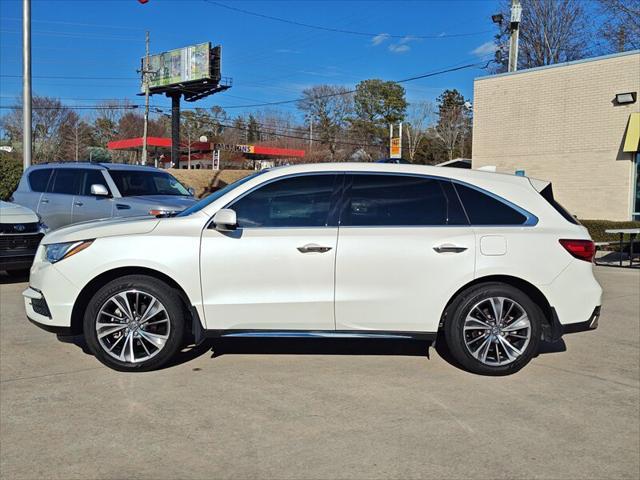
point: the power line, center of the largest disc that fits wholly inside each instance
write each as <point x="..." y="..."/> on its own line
<point x="410" y="79"/>
<point x="64" y="77"/>
<point x="281" y="102"/>
<point x="340" y="30"/>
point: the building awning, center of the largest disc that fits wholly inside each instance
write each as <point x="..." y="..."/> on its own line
<point x="632" y="140"/>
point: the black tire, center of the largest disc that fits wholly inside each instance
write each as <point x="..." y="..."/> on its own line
<point x="163" y="293"/>
<point x="455" y="334"/>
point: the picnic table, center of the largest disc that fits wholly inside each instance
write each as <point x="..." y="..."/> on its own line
<point x="632" y="232"/>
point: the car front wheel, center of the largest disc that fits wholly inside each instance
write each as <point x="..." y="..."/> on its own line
<point x="134" y="323"/>
<point x="493" y="329"/>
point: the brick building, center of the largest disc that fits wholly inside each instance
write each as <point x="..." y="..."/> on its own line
<point x="568" y="124"/>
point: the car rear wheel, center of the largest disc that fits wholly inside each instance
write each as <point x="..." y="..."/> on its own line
<point x="134" y="323"/>
<point x="493" y="329"/>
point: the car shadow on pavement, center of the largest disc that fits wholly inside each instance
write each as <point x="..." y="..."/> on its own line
<point x="312" y="346"/>
<point x="319" y="346"/>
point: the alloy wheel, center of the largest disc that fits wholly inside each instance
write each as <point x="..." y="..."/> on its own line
<point x="497" y="331"/>
<point x="132" y="326"/>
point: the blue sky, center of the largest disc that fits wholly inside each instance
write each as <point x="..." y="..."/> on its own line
<point x="268" y="60"/>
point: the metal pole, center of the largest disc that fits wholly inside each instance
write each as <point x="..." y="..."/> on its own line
<point x="26" y="84"/>
<point x="516" y="13"/>
<point x="175" y="129"/>
<point x="400" y="135"/>
<point x="145" y="78"/>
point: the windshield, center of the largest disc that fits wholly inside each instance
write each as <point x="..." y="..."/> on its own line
<point x="196" y="207"/>
<point x="132" y="183"/>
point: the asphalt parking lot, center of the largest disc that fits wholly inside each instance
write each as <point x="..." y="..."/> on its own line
<point x="286" y="409"/>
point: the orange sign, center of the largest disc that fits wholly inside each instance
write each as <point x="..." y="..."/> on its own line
<point x="395" y="148"/>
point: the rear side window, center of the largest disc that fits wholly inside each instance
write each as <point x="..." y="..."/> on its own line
<point x="401" y="200"/>
<point x="38" y="179"/>
<point x="482" y="209"/>
<point x="302" y="201"/>
<point x="66" y="181"/>
<point x="547" y="194"/>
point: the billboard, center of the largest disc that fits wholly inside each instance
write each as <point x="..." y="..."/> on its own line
<point x="181" y="65"/>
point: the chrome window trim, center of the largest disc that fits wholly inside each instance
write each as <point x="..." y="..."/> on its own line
<point x="531" y="219"/>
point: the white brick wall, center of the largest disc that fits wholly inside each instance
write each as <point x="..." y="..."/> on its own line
<point x="560" y="124"/>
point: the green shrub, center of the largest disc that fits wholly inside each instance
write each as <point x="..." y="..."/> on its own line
<point x="597" y="229"/>
<point x="10" y="173"/>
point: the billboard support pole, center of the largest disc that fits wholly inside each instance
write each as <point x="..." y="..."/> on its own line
<point x="175" y="129"/>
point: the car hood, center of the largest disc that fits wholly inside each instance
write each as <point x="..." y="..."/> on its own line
<point x="110" y="227"/>
<point x="164" y="201"/>
<point x="14" y="213"/>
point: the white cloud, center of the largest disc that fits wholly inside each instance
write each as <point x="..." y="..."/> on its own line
<point x="484" y="49"/>
<point x="399" y="48"/>
<point x="380" y="38"/>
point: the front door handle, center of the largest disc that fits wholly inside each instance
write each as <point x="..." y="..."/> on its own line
<point x="78" y="204"/>
<point x="44" y="200"/>
<point x="312" y="247"/>
<point x="449" y="249"/>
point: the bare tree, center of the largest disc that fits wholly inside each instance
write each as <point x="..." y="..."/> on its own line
<point x="49" y="117"/>
<point x="620" y="27"/>
<point x="76" y="137"/>
<point x="420" y="116"/>
<point x="551" y="31"/>
<point x="454" y="122"/>
<point x="327" y="108"/>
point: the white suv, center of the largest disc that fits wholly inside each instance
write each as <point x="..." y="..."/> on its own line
<point x="348" y="250"/>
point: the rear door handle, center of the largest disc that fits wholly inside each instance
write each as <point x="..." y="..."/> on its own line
<point x="312" y="247"/>
<point x="449" y="249"/>
<point x="122" y="206"/>
<point x="78" y="204"/>
<point x="44" y="200"/>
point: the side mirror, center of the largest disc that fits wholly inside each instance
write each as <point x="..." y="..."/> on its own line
<point x="99" y="190"/>
<point x="225" y="220"/>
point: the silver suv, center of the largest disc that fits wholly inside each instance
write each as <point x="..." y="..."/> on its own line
<point x="65" y="193"/>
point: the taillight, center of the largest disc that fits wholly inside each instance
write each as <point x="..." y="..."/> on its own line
<point x="581" y="249"/>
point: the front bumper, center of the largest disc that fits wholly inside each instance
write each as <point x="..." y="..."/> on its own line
<point x="50" y="297"/>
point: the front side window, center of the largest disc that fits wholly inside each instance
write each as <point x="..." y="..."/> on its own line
<point x="66" y="181"/>
<point x="133" y="183"/>
<point x="401" y="200"/>
<point x="92" y="177"/>
<point x="301" y="201"/>
<point x="38" y="179"/>
<point x="482" y="209"/>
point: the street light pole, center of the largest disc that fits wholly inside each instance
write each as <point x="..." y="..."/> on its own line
<point x="145" y="77"/>
<point x="26" y="84"/>
<point x="514" y="27"/>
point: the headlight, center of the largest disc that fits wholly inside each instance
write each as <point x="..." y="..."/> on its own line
<point x="59" y="251"/>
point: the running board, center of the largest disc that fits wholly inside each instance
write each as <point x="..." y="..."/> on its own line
<point x="320" y="334"/>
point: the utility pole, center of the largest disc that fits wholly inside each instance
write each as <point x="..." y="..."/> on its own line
<point x="310" y="135"/>
<point x="145" y="79"/>
<point x="514" y="28"/>
<point x="26" y="84"/>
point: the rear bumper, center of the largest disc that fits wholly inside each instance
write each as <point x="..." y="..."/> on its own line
<point x="590" y="324"/>
<point x="556" y="330"/>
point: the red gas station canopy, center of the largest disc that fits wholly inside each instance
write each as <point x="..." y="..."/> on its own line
<point x="135" y="143"/>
